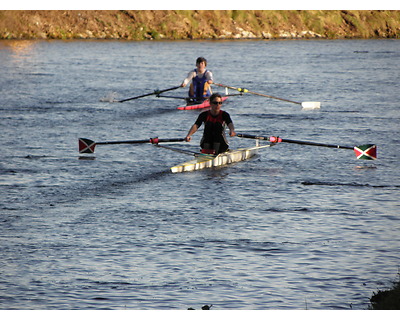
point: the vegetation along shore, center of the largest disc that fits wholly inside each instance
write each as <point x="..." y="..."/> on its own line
<point x="387" y="299"/>
<point x="199" y="24"/>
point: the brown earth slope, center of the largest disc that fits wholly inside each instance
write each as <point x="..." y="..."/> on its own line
<point x="198" y="24"/>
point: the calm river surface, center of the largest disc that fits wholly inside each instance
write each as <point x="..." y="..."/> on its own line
<point x="297" y="227"/>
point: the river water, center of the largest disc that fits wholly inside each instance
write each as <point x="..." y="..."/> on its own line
<point x="297" y="227"/>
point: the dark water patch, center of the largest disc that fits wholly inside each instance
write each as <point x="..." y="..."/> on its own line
<point x="150" y="112"/>
<point x="152" y="176"/>
<point x="351" y="184"/>
<point x="283" y="210"/>
<point x="19" y="170"/>
<point x="112" y="284"/>
<point x="242" y="244"/>
<point x="387" y="52"/>
<point x="67" y="102"/>
<point x="35" y="157"/>
<point x="128" y="286"/>
<point x="36" y="74"/>
<point x="8" y="171"/>
<point x="343" y="111"/>
<point x="8" y="208"/>
<point x="108" y="184"/>
<point x="279" y="117"/>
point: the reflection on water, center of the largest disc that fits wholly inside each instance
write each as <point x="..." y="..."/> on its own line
<point x="19" y="48"/>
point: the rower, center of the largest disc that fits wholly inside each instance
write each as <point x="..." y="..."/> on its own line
<point x="200" y="87"/>
<point x="215" y="121"/>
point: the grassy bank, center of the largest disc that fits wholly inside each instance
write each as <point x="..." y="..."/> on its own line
<point x="198" y="24"/>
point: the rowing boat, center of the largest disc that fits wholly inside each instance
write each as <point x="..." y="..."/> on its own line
<point x="204" y="104"/>
<point x="203" y="161"/>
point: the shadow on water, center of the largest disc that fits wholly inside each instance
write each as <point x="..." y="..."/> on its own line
<point x="91" y="179"/>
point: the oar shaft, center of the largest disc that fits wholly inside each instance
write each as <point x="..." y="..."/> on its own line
<point x="172" y="97"/>
<point x="88" y="146"/>
<point x="277" y="139"/>
<point x="138" y="97"/>
<point x="317" y="144"/>
<point x="272" y="97"/>
<point x="151" y="140"/>
<point x="124" y="142"/>
<point x="192" y="153"/>
<point x="256" y="93"/>
<point x="156" y="92"/>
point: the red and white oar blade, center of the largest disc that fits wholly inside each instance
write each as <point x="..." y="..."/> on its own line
<point x="86" y="145"/>
<point x="366" y="152"/>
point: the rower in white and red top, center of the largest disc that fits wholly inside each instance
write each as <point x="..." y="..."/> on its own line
<point x="200" y="80"/>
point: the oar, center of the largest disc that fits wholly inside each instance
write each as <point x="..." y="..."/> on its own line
<point x="156" y="92"/>
<point x="365" y="152"/>
<point x="192" y="153"/>
<point x="186" y="98"/>
<point x="305" y="105"/>
<point x="173" y="97"/>
<point x="87" y="145"/>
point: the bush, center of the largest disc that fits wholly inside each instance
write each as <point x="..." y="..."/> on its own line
<point x="387" y="299"/>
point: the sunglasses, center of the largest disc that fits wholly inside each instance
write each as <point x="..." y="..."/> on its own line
<point x="216" y="102"/>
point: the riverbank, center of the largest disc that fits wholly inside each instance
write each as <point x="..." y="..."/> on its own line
<point x="387" y="299"/>
<point x="199" y="24"/>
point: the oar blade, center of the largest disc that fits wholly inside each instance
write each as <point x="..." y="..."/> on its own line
<point x="366" y="152"/>
<point x="311" y="105"/>
<point x="86" y="145"/>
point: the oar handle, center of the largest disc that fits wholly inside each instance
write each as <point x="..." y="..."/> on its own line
<point x="156" y="140"/>
<point x="250" y="136"/>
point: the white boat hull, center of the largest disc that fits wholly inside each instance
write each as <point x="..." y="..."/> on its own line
<point x="209" y="161"/>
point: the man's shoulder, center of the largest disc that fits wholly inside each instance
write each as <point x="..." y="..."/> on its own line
<point x="203" y="114"/>
<point x="226" y="116"/>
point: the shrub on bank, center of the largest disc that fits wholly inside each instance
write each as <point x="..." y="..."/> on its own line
<point x="387" y="299"/>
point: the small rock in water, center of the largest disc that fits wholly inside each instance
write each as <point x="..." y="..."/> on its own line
<point x="205" y="307"/>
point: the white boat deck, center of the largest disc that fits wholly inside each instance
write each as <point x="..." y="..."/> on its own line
<point x="209" y="161"/>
